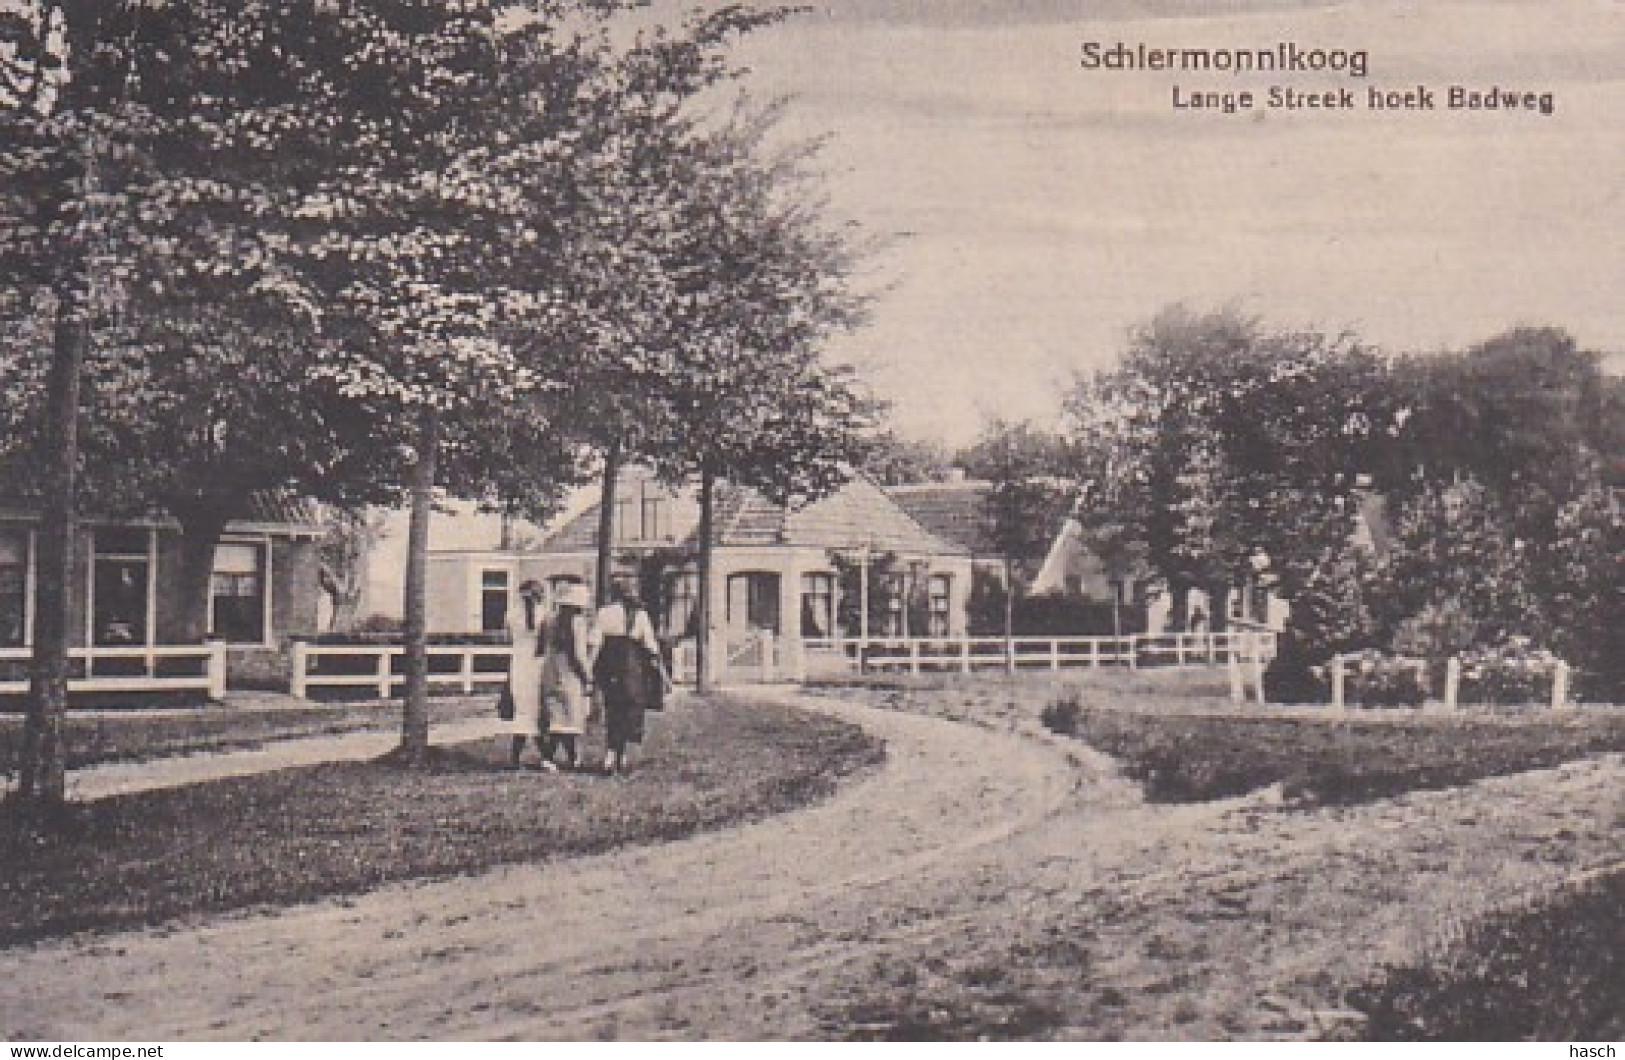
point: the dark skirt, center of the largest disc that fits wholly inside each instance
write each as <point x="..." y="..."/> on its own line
<point x="622" y="671"/>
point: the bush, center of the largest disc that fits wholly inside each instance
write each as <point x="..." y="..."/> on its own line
<point x="1291" y="676"/>
<point x="1512" y="673"/>
<point x="1378" y="680"/>
<point x="1063" y="715"/>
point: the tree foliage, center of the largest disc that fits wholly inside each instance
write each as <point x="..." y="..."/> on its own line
<point x="1215" y="442"/>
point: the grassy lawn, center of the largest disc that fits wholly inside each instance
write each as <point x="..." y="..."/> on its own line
<point x="1177" y="733"/>
<point x="137" y="736"/>
<point x="295" y="835"/>
<point x="1550" y="973"/>
<point x="1336" y="759"/>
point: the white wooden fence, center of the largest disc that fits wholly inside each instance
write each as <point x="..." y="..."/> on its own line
<point x="137" y="668"/>
<point x="462" y="668"/>
<point x="918" y="655"/>
<point x="468" y="668"/>
<point x="1344" y="666"/>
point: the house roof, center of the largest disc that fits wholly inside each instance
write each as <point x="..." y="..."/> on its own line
<point x="282" y="509"/>
<point x="859" y="515"/>
<point x="953" y="511"/>
<point x="271" y="511"/>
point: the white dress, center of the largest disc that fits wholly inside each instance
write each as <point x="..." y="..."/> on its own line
<point x="525" y="671"/>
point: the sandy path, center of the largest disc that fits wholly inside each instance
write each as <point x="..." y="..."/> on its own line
<point x="126" y="778"/>
<point x="600" y="945"/>
<point x="978" y="872"/>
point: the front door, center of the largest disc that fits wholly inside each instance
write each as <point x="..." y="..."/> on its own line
<point x="753" y="625"/>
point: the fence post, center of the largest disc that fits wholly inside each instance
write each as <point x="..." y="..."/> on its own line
<point x="1179" y="649"/>
<point x="1452" y="682"/>
<point x="1255" y="649"/>
<point x="466" y="670"/>
<point x="385" y="674"/>
<point x="1094" y="653"/>
<point x="1133" y="653"/>
<point x="1338" y="674"/>
<point x="1208" y="639"/>
<point x="914" y="656"/>
<point x="1238" y="691"/>
<point x="217" y="668"/>
<point x="1055" y="655"/>
<point x="1560" y="685"/>
<point x="765" y="639"/>
<point x="301" y="670"/>
<point x="964" y="654"/>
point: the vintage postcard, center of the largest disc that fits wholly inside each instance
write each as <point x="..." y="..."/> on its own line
<point x="1208" y="632"/>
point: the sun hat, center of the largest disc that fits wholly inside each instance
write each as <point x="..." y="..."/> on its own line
<point x="575" y="595"/>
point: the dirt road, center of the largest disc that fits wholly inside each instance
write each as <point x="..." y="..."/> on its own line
<point x="980" y="883"/>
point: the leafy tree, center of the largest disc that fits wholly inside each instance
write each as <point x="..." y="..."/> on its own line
<point x="349" y="537"/>
<point x="1583" y="573"/>
<point x="1216" y="442"/>
<point x="105" y="158"/>
<point x="1527" y="414"/>
<point x="893" y="460"/>
<point x="1026" y="505"/>
<point x="759" y="280"/>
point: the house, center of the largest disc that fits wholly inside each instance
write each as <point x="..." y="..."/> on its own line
<point x="477" y="559"/>
<point x="1072" y="577"/>
<point x="263" y="588"/>
<point x="781" y="576"/>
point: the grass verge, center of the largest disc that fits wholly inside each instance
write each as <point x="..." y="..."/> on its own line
<point x="92" y="739"/>
<point x="1550" y="973"/>
<point x="1338" y="760"/>
<point x="296" y="835"/>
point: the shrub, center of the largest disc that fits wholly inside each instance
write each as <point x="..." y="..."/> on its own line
<point x="1063" y="715"/>
<point x="1509" y="674"/>
<point x="1378" y="680"/>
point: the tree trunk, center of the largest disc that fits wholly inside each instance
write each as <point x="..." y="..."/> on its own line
<point x="1179" y="599"/>
<point x="200" y="533"/>
<point x="43" y="780"/>
<point x="415" y="706"/>
<point x="702" y="646"/>
<point x="606" y="524"/>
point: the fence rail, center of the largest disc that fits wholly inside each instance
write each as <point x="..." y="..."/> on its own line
<point x="464" y="668"/>
<point x="968" y="654"/>
<point x="138" y="668"/>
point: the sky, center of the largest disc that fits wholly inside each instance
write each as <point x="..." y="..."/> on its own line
<point x="1035" y="211"/>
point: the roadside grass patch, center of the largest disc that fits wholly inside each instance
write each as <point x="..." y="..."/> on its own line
<point x="1548" y="973"/>
<point x="1335" y="760"/>
<point x="108" y="736"/>
<point x="297" y="835"/>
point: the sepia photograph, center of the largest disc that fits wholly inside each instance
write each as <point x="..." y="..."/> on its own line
<point x="657" y="521"/>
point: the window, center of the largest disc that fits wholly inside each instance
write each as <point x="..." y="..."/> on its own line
<point x="237" y="594"/>
<point x="493" y="601"/>
<point x="656" y="523"/>
<point x="13" y="588"/>
<point x="121" y="586"/>
<point x="817" y="606"/>
<point x="625" y="529"/>
<point x="941" y="604"/>
<point x="682" y="606"/>
<point x="892" y="591"/>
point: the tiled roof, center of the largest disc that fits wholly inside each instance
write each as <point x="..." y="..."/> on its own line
<point x="273" y="510"/>
<point x="953" y="511"/>
<point x="859" y="515"/>
<point x="578" y="535"/>
<point x="281" y="508"/>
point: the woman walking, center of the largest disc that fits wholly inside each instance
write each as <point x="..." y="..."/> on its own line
<point x="566" y="666"/>
<point x="629" y="670"/>
<point x="524" y="622"/>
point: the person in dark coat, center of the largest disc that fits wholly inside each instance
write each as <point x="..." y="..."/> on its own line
<point x="628" y="670"/>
